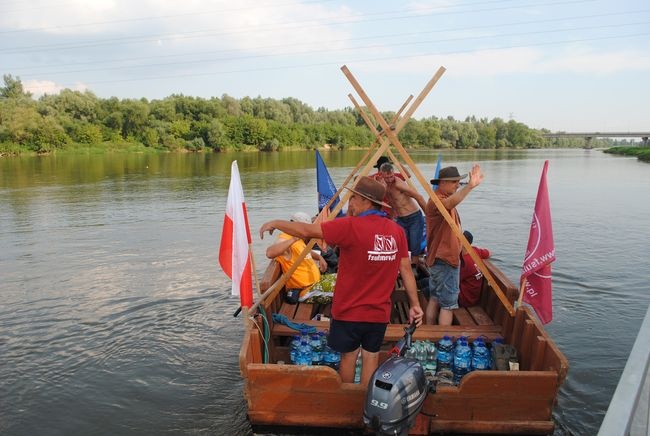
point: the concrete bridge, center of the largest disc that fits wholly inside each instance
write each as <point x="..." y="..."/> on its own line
<point x="588" y="136"/>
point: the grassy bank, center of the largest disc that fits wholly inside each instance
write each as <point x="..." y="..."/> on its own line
<point x="642" y="153"/>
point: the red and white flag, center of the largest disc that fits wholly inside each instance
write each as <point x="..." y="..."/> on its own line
<point x="536" y="270"/>
<point x="235" y="239"/>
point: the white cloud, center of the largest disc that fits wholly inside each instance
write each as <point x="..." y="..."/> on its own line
<point x="41" y="87"/>
<point x="524" y="60"/>
<point x="242" y="25"/>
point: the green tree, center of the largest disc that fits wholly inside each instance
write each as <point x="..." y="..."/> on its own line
<point x="13" y="88"/>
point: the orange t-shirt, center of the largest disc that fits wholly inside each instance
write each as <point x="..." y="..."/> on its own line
<point x="442" y="243"/>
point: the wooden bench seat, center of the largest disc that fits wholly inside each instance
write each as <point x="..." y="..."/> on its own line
<point x="394" y="332"/>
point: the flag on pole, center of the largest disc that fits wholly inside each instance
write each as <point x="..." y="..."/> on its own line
<point x="435" y="175"/>
<point x="540" y="252"/>
<point x="324" y="185"/>
<point x="235" y="239"/>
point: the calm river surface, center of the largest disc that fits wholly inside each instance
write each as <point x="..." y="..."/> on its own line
<point x="115" y="318"/>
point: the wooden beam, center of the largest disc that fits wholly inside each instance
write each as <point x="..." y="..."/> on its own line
<point x="392" y="137"/>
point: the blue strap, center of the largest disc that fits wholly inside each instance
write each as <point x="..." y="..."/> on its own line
<point x="301" y="327"/>
<point x="373" y="212"/>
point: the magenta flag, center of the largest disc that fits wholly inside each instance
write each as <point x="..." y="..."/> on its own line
<point x="540" y="252"/>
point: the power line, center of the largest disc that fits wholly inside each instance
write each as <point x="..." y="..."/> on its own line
<point x="280" y="26"/>
<point x="339" y="62"/>
<point x="394" y="44"/>
<point x="148" y="18"/>
<point x="394" y="35"/>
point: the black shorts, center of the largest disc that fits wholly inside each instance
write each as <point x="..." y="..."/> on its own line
<point x="347" y="336"/>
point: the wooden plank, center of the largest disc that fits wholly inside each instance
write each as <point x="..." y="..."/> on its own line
<point x="479" y="315"/>
<point x="537" y="354"/>
<point x="403" y="312"/>
<point x="525" y="348"/>
<point x="305" y="312"/>
<point x="395" y="332"/>
<point x="288" y="309"/>
<point x="462" y="317"/>
<point x="256" y="345"/>
<point x="271" y="274"/>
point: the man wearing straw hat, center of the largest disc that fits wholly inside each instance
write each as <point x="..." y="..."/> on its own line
<point x="443" y="246"/>
<point x="373" y="250"/>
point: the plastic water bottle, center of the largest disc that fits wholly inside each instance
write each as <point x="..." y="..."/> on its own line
<point x="303" y="356"/>
<point x="331" y="358"/>
<point x="445" y="353"/>
<point x="462" y="361"/>
<point x="316" y="349"/>
<point x="496" y="343"/>
<point x="420" y="352"/>
<point x="294" y="344"/>
<point x="357" y="369"/>
<point x="458" y="342"/>
<point x="323" y="340"/>
<point x="480" y="355"/>
<point x="431" y="355"/>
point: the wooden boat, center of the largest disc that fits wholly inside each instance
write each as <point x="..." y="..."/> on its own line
<point x="514" y="402"/>
<point x="489" y="401"/>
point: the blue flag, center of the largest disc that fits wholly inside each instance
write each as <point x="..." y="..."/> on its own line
<point x="435" y="175"/>
<point x="324" y="184"/>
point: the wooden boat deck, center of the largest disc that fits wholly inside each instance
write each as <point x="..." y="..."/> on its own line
<point x="519" y="402"/>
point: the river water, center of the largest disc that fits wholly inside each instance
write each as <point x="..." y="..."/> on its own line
<point x="116" y="319"/>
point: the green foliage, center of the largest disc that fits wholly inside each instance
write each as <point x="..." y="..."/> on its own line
<point x="75" y="119"/>
<point x="13" y="88"/>
<point x="642" y="153"/>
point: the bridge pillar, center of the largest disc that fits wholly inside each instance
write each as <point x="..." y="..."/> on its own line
<point x="644" y="141"/>
<point x="588" y="141"/>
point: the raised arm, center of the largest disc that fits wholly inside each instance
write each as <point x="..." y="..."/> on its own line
<point x="475" y="179"/>
<point x="405" y="188"/>
<point x="293" y="228"/>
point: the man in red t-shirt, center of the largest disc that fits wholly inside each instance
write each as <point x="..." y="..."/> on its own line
<point x="471" y="278"/>
<point x="372" y="251"/>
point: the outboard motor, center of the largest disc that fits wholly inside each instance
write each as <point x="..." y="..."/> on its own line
<point x="396" y="391"/>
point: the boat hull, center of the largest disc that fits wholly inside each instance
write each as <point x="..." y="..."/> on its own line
<point x="500" y="402"/>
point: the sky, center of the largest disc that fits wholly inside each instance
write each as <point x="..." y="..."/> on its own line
<point x="573" y="66"/>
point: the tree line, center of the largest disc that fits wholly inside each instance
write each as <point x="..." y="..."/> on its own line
<point x="74" y="118"/>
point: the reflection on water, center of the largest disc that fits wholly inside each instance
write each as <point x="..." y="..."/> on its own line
<point x="115" y="318"/>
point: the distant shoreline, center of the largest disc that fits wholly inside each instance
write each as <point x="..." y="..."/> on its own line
<point x="642" y="153"/>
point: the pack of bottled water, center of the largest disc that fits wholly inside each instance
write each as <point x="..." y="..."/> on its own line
<point x="426" y="353"/>
<point x="312" y="349"/>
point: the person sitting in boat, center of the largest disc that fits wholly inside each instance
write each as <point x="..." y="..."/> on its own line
<point x="372" y="251"/>
<point x="286" y="250"/>
<point x="443" y="246"/>
<point x="471" y="278"/>
<point x="327" y="252"/>
<point x="406" y="202"/>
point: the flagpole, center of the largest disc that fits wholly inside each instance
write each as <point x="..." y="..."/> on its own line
<point x="254" y="268"/>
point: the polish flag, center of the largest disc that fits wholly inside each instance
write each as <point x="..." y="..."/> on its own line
<point x="235" y="239"/>
<point x="536" y="270"/>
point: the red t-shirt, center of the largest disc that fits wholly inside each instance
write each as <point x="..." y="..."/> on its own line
<point x="371" y="248"/>
<point x="471" y="279"/>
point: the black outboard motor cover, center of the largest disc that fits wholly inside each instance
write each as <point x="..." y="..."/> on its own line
<point x="396" y="393"/>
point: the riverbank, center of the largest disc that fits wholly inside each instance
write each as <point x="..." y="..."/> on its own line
<point x="642" y="153"/>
